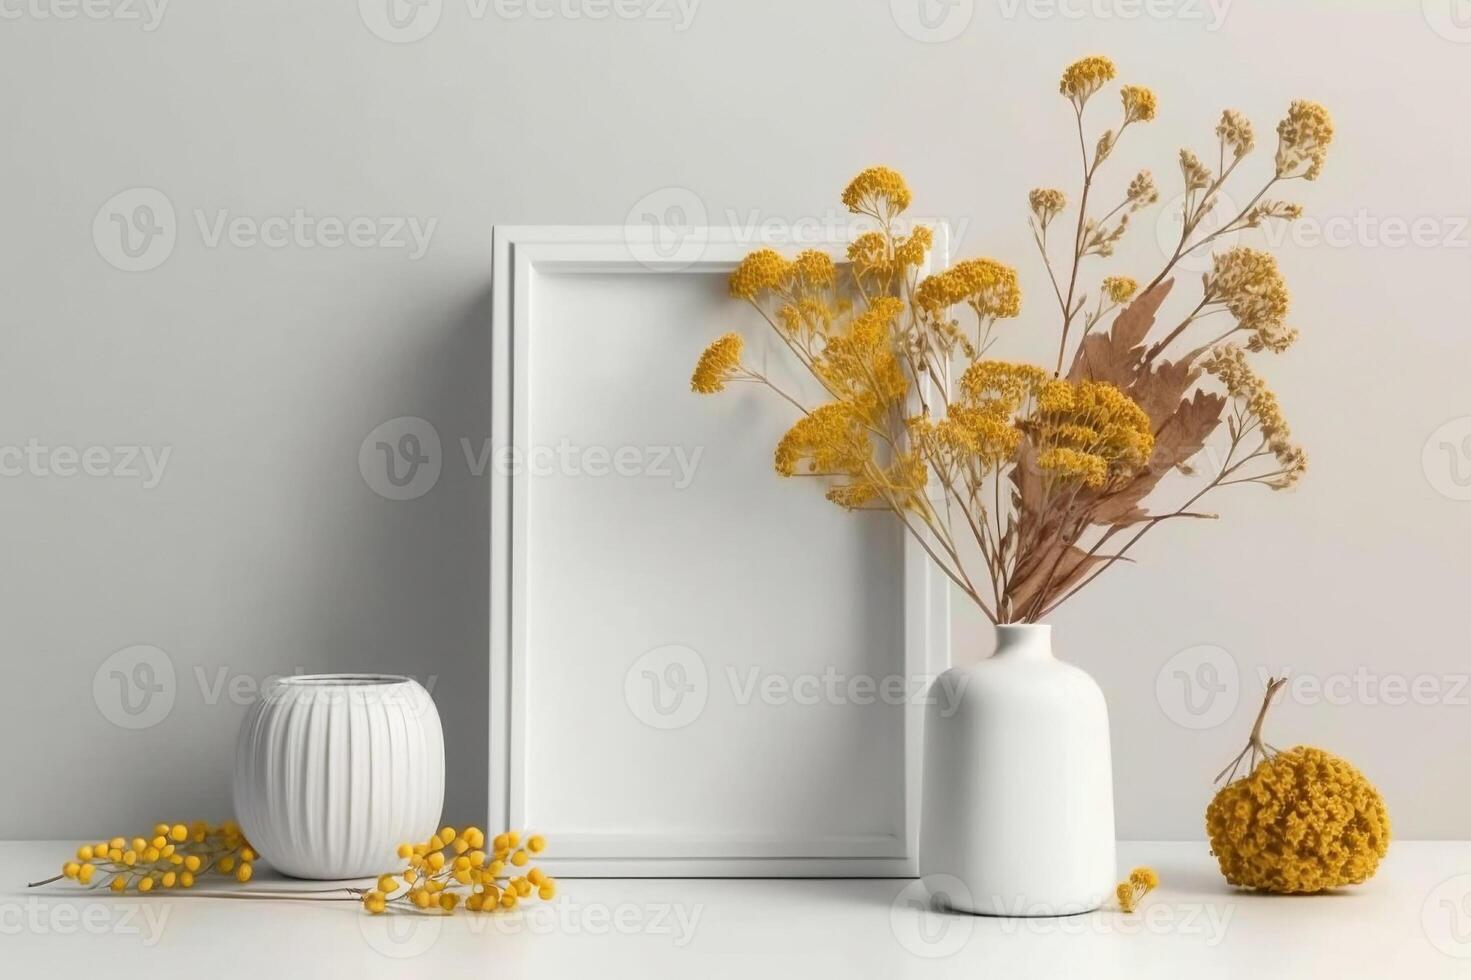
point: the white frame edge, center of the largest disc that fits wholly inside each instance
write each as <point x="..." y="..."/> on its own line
<point x="622" y="249"/>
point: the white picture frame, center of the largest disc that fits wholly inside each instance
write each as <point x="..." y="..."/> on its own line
<point x="574" y="753"/>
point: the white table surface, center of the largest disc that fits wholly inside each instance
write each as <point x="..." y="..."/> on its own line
<point x="1413" y="920"/>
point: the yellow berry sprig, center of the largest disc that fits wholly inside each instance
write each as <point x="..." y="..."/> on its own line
<point x="1141" y="882"/>
<point x="453" y="869"/>
<point x="172" y="857"/>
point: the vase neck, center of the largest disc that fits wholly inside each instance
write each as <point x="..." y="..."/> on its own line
<point x="1024" y="641"/>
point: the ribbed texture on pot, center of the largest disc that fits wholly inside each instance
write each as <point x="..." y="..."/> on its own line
<point x="334" y="771"/>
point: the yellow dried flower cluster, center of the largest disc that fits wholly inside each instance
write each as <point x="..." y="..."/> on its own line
<point x="719" y="361"/>
<point x="875" y="254"/>
<point x="1303" y="821"/>
<point x="174" y="855"/>
<point x="1235" y="133"/>
<point x="452" y="860"/>
<point x="1303" y="138"/>
<point x="1089" y="431"/>
<point x="1247" y="282"/>
<point x="758" y="272"/>
<point x="1084" y="77"/>
<point x="1140" y="104"/>
<point x="1141" y="882"/>
<point x="985" y="285"/>
<point x="1259" y="410"/>
<point x="877" y="191"/>
<point x="1119" y="289"/>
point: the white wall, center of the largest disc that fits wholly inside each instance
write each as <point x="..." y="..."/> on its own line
<point x="261" y="370"/>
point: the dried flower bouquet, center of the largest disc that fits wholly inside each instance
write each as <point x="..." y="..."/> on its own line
<point x="1024" y="484"/>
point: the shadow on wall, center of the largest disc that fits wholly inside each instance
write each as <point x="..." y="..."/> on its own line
<point x="416" y="568"/>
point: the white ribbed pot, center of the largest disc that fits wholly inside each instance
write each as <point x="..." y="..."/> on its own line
<point x="334" y="771"/>
<point x="1017" y="813"/>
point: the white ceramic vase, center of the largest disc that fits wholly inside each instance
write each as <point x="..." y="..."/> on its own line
<point x="1017" y="816"/>
<point x="334" y="771"/>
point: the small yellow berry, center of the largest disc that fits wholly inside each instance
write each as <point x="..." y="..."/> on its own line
<point x="547" y="891"/>
<point x="139" y="843"/>
<point x="84" y="873"/>
<point x="520" y="858"/>
<point x="387" y="884"/>
<point x="477" y="858"/>
<point x="227" y="864"/>
<point x="160" y="828"/>
<point x="436" y="860"/>
<point x="71" y="869"/>
<point x="422" y="899"/>
<point x="247" y="854"/>
<point x="411" y="876"/>
<point x="523" y="888"/>
<point x="160" y="842"/>
<point x="167" y="850"/>
<point x="146" y="885"/>
<point x="512" y="838"/>
<point x="448" y="901"/>
<point x="170" y="879"/>
<point x="497" y="867"/>
<point x="117" y="843"/>
<point x="186" y="879"/>
<point x="192" y="862"/>
<point x="474" y="902"/>
<point x="151" y="854"/>
<point x="118" y="885"/>
<point x="179" y="833"/>
<point x="508" y="899"/>
<point x="492" y="895"/>
<point x="501" y="842"/>
<point x="537" y="843"/>
<point x="536" y="876"/>
<point x="461" y="845"/>
<point x="243" y="873"/>
<point x="462" y="863"/>
<point x="435" y="843"/>
<point x="447" y="834"/>
<point x="405" y="851"/>
<point x="113" y="854"/>
<point x="475" y="836"/>
<point x="130" y="858"/>
<point x="84" y="853"/>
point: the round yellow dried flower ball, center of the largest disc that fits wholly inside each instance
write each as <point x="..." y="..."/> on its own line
<point x="761" y="270"/>
<point x="1301" y="821"/>
<point x="1140" y="103"/>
